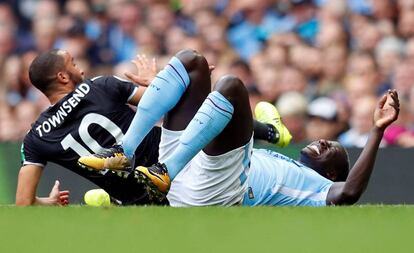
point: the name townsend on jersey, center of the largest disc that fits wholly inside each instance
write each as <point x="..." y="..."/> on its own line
<point x="63" y="111"/>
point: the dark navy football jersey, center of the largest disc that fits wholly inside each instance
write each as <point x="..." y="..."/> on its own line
<point x="94" y="116"/>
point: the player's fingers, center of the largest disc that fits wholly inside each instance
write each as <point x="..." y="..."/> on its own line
<point x="394" y="97"/>
<point x="138" y="62"/>
<point x="145" y="59"/>
<point x="135" y="79"/>
<point x="131" y="76"/>
<point x="394" y="91"/>
<point x="62" y="193"/>
<point x="154" y="65"/>
<point x="395" y="106"/>
<point x="382" y="101"/>
<point x="140" y="59"/>
<point x="64" y="199"/>
<point x="147" y="64"/>
<point x="394" y="102"/>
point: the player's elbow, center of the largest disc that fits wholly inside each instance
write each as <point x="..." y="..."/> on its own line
<point x="349" y="197"/>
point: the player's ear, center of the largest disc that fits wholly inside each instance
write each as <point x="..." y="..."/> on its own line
<point x="62" y="77"/>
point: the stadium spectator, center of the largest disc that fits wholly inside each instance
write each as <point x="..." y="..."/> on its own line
<point x="121" y="36"/>
<point x="323" y="120"/>
<point x="292" y="107"/>
<point x="332" y="70"/>
<point x="269" y="83"/>
<point x="358" y="133"/>
<point x="356" y="87"/>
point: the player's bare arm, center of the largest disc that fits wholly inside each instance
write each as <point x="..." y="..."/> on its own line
<point x="28" y="180"/>
<point x="348" y="192"/>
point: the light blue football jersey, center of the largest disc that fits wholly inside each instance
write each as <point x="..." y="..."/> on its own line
<point x="277" y="180"/>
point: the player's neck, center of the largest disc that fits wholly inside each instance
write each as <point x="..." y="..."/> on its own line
<point x="54" y="98"/>
<point x="60" y="93"/>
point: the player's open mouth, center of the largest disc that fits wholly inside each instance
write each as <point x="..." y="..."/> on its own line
<point x="315" y="149"/>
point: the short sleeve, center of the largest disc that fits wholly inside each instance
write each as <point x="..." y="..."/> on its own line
<point x="119" y="89"/>
<point x="31" y="152"/>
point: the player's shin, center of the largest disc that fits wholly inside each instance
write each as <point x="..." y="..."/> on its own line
<point x="161" y="96"/>
<point x="212" y="117"/>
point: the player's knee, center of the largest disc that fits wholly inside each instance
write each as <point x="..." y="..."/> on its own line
<point x="192" y="60"/>
<point x="230" y="86"/>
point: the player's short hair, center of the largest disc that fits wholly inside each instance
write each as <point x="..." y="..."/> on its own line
<point x="43" y="70"/>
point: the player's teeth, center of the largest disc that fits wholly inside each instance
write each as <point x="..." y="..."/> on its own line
<point x="316" y="149"/>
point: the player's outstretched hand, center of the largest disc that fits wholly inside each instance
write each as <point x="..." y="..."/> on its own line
<point x="57" y="196"/>
<point x="387" y="110"/>
<point x="146" y="71"/>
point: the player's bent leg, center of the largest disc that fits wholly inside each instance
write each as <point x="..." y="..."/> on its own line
<point x="197" y="67"/>
<point x="267" y="113"/>
<point x="160" y="97"/>
<point x="239" y="130"/>
<point x="179" y="117"/>
<point x="223" y="123"/>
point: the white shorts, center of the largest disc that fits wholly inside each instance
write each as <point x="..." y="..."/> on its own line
<point x="207" y="180"/>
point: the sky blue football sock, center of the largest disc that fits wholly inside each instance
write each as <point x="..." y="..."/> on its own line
<point x="212" y="117"/>
<point x="160" y="97"/>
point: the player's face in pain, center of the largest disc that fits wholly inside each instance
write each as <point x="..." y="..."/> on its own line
<point x="328" y="158"/>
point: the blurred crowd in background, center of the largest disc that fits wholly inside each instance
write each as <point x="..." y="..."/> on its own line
<point x="323" y="63"/>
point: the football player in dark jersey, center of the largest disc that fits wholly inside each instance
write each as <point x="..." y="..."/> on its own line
<point x="85" y="115"/>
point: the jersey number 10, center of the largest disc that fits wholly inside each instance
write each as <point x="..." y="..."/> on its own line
<point x="92" y="144"/>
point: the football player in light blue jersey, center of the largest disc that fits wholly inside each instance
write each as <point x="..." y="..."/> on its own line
<point x="321" y="176"/>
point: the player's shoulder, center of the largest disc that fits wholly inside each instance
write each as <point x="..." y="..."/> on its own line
<point x="106" y="79"/>
<point x="117" y="88"/>
<point x="31" y="138"/>
<point x="273" y="157"/>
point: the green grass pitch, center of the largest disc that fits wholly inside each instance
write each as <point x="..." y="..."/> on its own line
<point x="236" y="229"/>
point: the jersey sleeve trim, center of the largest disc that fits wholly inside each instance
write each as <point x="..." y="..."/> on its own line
<point x="96" y="77"/>
<point x="121" y="79"/>
<point x="31" y="163"/>
<point x="132" y="94"/>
